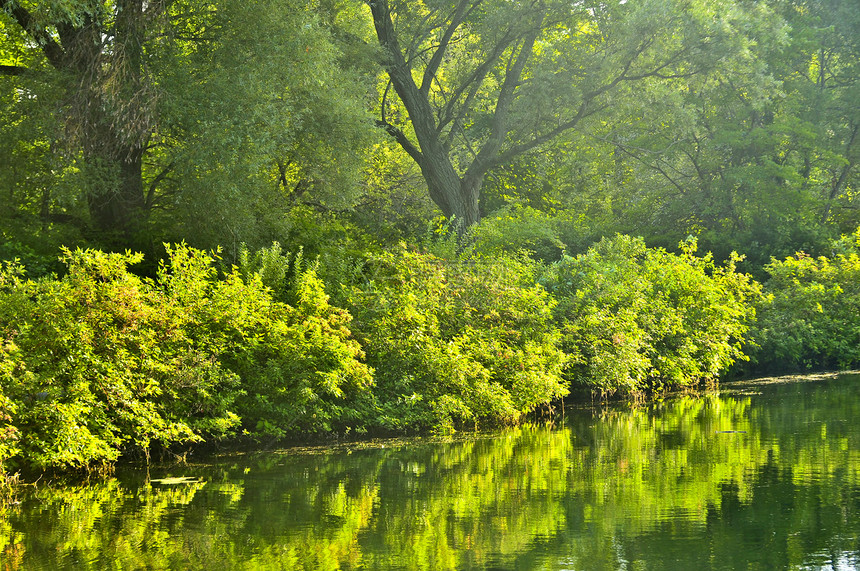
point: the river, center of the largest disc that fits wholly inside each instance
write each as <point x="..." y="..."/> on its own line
<point x="760" y="475"/>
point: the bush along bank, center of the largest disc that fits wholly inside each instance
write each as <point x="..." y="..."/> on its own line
<point x="809" y="316"/>
<point x="101" y="363"/>
<point x="637" y="319"/>
<point x="455" y="343"/>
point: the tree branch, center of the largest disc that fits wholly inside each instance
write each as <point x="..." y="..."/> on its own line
<point x="840" y="181"/>
<point x="489" y="153"/>
<point x="527" y="146"/>
<point x="150" y="195"/>
<point x="585" y="108"/>
<point x="402" y="140"/>
<point x="626" y="150"/>
<point x="52" y="50"/>
<point x="436" y="59"/>
<point x="472" y="84"/>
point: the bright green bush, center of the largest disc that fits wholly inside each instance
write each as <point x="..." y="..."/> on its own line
<point x="455" y="343"/>
<point x="315" y="351"/>
<point x="87" y="361"/>
<point x="101" y="361"/>
<point x="637" y="318"/>
<point x="272" y="265"/>
<point x="810" y="318"/>
<point x="8" y="431"/>
<point x="302" y="373"/>
<point x="515" y="228"/>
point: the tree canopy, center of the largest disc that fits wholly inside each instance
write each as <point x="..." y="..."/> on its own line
<point x="485" y="82"/>
<point x="214" y="112"/>
<point x="130" y="122"/>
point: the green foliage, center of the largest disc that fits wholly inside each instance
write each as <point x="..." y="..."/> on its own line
<point x="9" y="434"/>
<point x="271" y="265"/>
<point x="101" y="361"/>
<point x="515" y="228"/>
<point x="758" y="154"/>
<point x="264" y="115"/>
<point x="810" y="318"/>
<point x="202" y="121"/>
<point x="86" y="362"/>
<point x="395" y="206"/>
<point x="302" y="365"/>
<point x="635" y="318"/>
<point x="455" y="342"/>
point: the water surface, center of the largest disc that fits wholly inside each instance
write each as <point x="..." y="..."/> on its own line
<point x="763" y="475"/>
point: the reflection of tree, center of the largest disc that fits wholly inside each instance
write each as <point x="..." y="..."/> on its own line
<point x="653" y="486"/>
<point x="660" y="486"/>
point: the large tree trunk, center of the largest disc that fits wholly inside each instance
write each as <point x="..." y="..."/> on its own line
<point x="469" y="194"/>
<point x="108" y="117"/>
<point x="117" y="207"/>
<point x="457" y="197"/>
<point x="117" y="138"/>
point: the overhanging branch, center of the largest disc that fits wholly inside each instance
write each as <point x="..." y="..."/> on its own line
<point x="438" y="55"/>
<point x="52" y="50"/>
<point x="402" y="140"/>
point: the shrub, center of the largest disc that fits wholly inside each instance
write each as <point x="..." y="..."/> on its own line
<point x="88" y="358"/>
<point x="515" y="228"/>
<point x="303" y="371"/>
<point x="272" y="266"/>
<point x="101" y="361"/>
<point x="635" y="318"/>
<point x="811" y="315"/>
<point x="8" y="431"/>
<point x="455" y="343"/>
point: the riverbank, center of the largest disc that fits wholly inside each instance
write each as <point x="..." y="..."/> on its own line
<point x="404" y="342"/>
<point x="412" y="343"/>
<point x="165" y="461"/>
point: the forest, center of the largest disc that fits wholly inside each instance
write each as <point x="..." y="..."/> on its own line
<point x="245" y="222"/>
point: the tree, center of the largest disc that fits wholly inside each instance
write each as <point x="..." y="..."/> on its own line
<point x="483" y="81"/>
<point x="97" y="49"/>
<point x="825" y="76"/>
<point x="759" y="156"/>
<point x="267" y="120"/>
<point x="178" y="117"/>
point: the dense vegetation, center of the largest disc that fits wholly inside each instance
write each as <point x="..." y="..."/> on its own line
<point x="640" y="318"/>
<point x="375" y="216"/>
<point x="810" y="317"/>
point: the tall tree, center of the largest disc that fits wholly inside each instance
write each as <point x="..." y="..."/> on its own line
<point x="485" y="81"/>
<point x="826" y="77"/>
<point x="759" y="156"/>
<point x="97" y="48"/>
<point x="266" y="116"/>
<point x="196" y="119"/>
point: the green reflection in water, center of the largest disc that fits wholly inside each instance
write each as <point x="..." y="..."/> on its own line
<point x="663" y="486"/>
